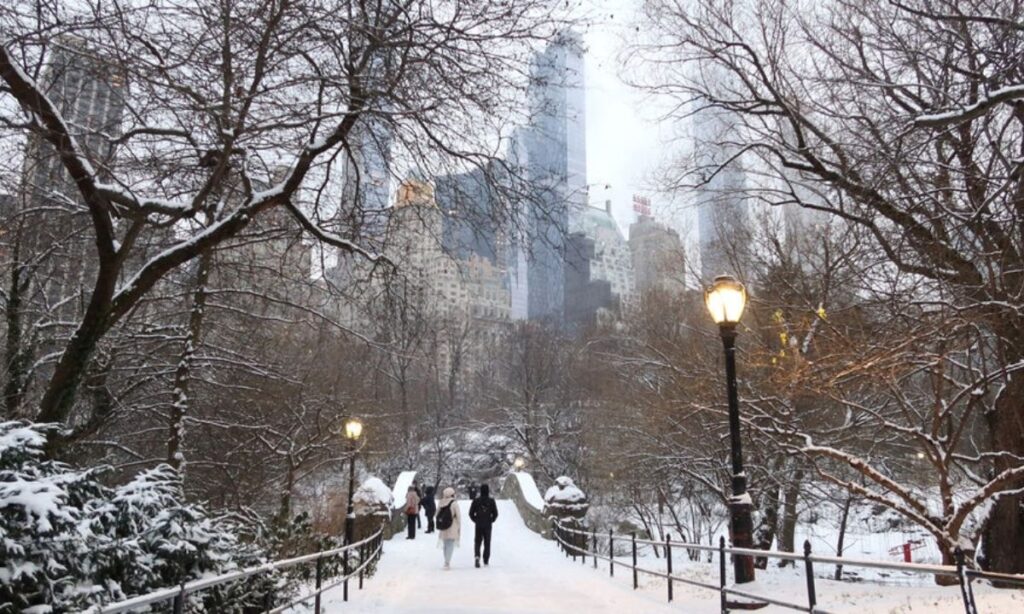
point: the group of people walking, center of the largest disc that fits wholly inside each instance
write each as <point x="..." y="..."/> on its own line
<point x="444" y="516"/>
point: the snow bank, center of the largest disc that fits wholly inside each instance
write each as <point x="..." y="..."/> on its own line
<point x="402" y="484"/>
<point x="529" y="489"/>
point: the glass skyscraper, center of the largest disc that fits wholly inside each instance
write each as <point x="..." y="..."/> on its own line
<point x="552" y="150"/>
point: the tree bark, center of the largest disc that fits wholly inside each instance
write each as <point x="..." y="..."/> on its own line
<point x="787" y="536"/>
<point x="183" y="372"/>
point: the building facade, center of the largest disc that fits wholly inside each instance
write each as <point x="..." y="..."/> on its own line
<point x="658" y="256"/>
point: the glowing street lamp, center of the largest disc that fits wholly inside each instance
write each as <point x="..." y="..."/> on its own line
<point x="353" y="430"/>
<point x="725" y="299"/>
<point x="519" y="463"/>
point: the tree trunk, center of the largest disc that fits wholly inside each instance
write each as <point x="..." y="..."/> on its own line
<point x="787" y="536"/>
<point x="1004" y="529"/>
<point x="765" y="532"/>
<point x="842" y="534"/>
<point x="18" y="355"/>
<point x="183" y="373"/>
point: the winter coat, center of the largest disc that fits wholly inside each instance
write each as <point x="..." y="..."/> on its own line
<point x="428" y="503"/>
<point x="484" y="511"/>
<point x="412" y="502"/>
<point x="454" y="531"/>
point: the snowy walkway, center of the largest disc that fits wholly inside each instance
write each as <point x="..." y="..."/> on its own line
<point x="527" y="574"/>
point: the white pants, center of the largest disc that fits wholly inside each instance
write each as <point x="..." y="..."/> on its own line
<point x="449" y="547"/>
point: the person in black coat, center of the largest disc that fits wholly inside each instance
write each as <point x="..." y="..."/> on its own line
<point x="483" y="512"/>
<point x="429" y="507"/>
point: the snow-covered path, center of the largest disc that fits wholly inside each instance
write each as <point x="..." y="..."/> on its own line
<point x="526" y="574"/>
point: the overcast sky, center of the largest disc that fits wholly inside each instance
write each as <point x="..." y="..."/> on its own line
<point x="625" y="143"/>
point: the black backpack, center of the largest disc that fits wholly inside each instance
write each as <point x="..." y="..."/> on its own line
<point x="444" y="517"/>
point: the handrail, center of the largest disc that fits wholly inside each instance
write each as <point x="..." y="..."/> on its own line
<point x="195" y="586"/>
<point x="578" y="547"/>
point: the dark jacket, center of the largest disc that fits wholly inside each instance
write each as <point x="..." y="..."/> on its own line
<point x="427" y="502"/>
<point x="484" y="511"/>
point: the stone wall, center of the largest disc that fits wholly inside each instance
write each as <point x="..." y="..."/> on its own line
<point x="532" y="517"/>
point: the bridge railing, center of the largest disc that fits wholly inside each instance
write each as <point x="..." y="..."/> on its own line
<point x="582" y="543"/>
<point x="368" y="550"/>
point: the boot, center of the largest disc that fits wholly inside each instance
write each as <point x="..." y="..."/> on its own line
<point x="478" y="562"/>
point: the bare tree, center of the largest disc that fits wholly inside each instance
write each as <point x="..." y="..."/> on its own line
<point x="907" y="116"/>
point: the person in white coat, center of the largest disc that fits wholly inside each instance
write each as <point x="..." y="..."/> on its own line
<point x="448" y="537"/>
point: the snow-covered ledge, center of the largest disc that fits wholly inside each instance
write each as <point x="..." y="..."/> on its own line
<point x="522" y="490"/>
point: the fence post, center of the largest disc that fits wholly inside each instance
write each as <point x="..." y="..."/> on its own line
<point x="812" y="596"/>
<point x="593" y="545"/>
<point x="635" y="583"/>
<point x="721" y="571"/>
<point x="319" y="583"/>
<point x="362" y="559"/>
<point x="581" y="538"/>
<point x="611" y="552"/>
<point x="668" y="560"/>
<point x="344" y="584"/>
<point x="179" y="600"/>
<point x="966" y="592"/>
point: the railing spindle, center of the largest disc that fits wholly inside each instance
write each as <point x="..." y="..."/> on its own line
<point x="721" y="571"/>
<point x="668" y="560"/>
<point x="319" y="583"/>
<point x="636" y="583"/>
<point x="812" y="597"/>
<point x="593" y="545"/>
<point x="611" y="552"/>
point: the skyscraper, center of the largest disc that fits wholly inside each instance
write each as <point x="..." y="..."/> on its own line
<point x="467" y="202"/>
<point x="366" y="192"/>
<point x="554" y="147"/>
<point x="657" y="252"/>
<point x="722" y="211"/>
<point x="89" y="93"/>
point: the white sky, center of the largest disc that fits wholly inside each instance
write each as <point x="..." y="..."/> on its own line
<point x="625" y="143"/>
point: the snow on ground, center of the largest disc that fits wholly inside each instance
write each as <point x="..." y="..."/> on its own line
<point x="530" y="575"/>
<point x="527" y="574"/>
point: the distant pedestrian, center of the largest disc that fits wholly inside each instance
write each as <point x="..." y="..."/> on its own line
<point x="419" y="495"/>
<point x="483" y="512"/>
<point x="429" y="507"/>
<point x="412" y="510"/>
<point x="472" y="491"/>
<point x="449" y="524"/>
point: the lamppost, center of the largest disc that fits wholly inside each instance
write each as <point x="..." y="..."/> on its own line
<point x="725" y="300"/>
<point x="353" y="430"/>
<point x="519" y="463"/>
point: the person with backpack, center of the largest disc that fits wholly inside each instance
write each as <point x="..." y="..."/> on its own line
<point x="449" y="524"/>
<point x="412" y="511"/>
<point x="429" y="507"/>
<point x="483" y="513"/>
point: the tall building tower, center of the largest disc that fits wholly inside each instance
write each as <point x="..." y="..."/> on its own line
<point x="657" y="252"/>
<point x="722" y="211"/>
<point x="89" y="92"/>
<point x="554" y="148"/>
<point x="366" y="192"/>
<point x="467" y="202"/>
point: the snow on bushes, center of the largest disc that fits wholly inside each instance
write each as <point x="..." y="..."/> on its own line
<point x="372" y="497"/>
<point x="68" y="542"/>
<point x="564" y="499"/>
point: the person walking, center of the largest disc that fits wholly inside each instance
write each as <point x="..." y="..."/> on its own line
<point x="419" y="495"/>
<point x="483" y="512"/>
<point x="449" y="524"/>
<point x="412" y="511"/>
<point x="429" y="506"/>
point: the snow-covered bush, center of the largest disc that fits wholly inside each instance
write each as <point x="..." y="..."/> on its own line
<point x="68" y="542"/>
<point x="372" y="498"/>
<point x="565" y="500"/>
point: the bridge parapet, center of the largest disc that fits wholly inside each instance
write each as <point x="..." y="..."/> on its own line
<point x="522" y="490"/>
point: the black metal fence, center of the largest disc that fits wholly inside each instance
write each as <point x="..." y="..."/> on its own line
<point x="356" y="558"/>
<point x="578" y="543"/>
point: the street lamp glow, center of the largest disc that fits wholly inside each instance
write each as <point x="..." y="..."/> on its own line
<point x="725" y="299"/>
<point x="353" y="428"/>
<point x="519" y="463"/>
